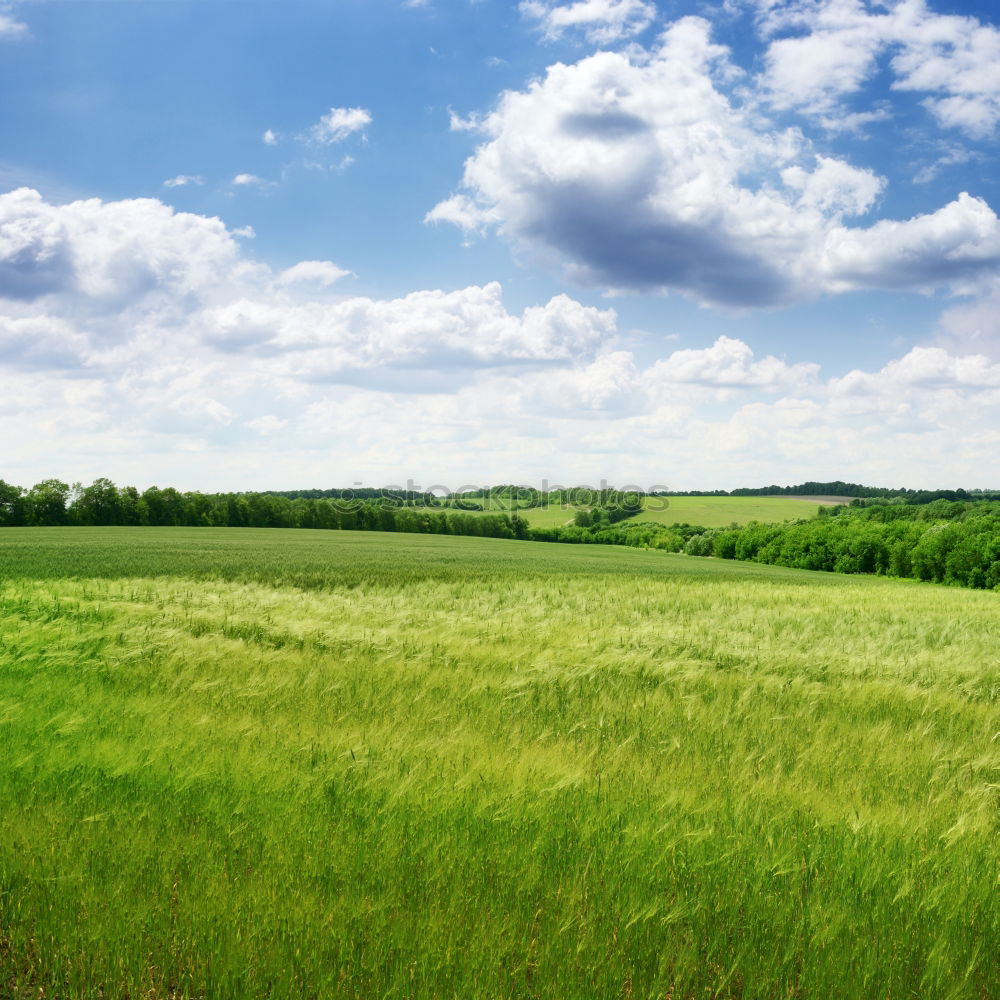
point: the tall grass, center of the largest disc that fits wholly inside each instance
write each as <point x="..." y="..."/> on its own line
<point x="298" y="764"/>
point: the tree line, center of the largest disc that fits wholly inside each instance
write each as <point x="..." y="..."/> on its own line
<point x="838" y="488"/>
<point x="53" y="503"/>
<point x="102" y="503"/>
<point x="942" y="541"/>
<point x="397" y="496"/>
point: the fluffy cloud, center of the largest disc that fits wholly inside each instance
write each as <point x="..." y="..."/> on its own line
<point x="608" y="382"/>
<point x="96" y="282"/>
<point x="636" y="171"/>
<point x="249" y="180"/>
<point x="600" y="21"/>
<point x="267" y="424"/>
<point x="923" y="367"/>
<point x="615" y="384"/>
<point x="730" y="363"/>
<point x="954" y="245"/>
<point x="339" y="123"/>
<point x="830" y="49"/>
<point x="324" y="272"/>
<point x="833" y="53"/>
<point x="40" y="342"/>
<point x="974" y="325"/>
<point x="428" y="329"/>
<point x="108" y="253"/>
<point x="462" y="211"/>
<point x="143" y="343"/>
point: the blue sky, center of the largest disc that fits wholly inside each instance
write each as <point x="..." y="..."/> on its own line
<point x="258" y="244"/>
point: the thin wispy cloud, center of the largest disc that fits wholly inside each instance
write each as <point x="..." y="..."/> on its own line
<point x="183" y="180"/>
<point x="599" y="22"/>
<point x="11" y="26"/>
<point x="250" y="181"/>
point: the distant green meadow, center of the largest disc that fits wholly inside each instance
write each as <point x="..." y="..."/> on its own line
<point x="241" y="763"/>
<point x="550" y="515"/>
<point x="710" y="512"/>
<point x="719" y="512"/>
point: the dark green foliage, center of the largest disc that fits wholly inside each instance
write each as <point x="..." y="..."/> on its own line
<point x="833" y="489"/>
<point x="837" y="488"/>
<point x="47" y="502"/>
<point x="941" y="541"/>
<point x="13" y="508"/>
<point x="52" y="503"/>
<point x="388" y="495"/>
<point x="590" y="530"/>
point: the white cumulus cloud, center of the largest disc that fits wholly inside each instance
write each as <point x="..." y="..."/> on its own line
<point x="96" y="282"/>
<point x="426" y="329"/>
<point x="730" y="363"/>
<point x="636" y="171"/>
<point x="111" y="252"/>
<point x="822" y="51"/>
<point x="926" y="367"/>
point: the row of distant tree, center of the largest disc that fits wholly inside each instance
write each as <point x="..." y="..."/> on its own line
<point x="396" y="496"/>
<point x="842" y="489"/>
<point x="582" y="498"/>
<point x="510" y="497"/>
<point x="53" y="503"/>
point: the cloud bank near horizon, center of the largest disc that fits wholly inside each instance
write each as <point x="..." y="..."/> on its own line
<point x="135" y="337"/>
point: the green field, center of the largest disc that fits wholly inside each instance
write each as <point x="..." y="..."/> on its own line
<point x="720" y="512"/>
<point x="269" y="763"/>
<point x="709" y="512"/>
<point x="549" y="516"/>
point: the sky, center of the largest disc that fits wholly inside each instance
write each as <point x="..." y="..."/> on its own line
<point x="251" y="244"/>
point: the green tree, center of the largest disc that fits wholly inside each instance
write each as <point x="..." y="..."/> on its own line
<point x="47" y="502"/>
<point x="13" y="508"/>
<point x="98" y="503"/>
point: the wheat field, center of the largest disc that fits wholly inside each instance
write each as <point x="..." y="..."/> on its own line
<point x="257" y="764"/>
